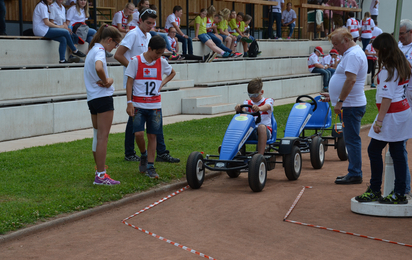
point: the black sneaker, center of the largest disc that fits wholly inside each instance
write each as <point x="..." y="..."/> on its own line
<point x="73" y="59"/>
<point x="207" y="56"/>
<point x="79" y="54"/>
<point x="132" y="158"/>
<point x="63" y="61"/>
<point x="151" y="172"/>
<point x="369" y="196"/>
<point x="108" y="54"/>
<point x="166" y="158"/>
<point x="394" y="198"/>
<point x="143" y="164"/>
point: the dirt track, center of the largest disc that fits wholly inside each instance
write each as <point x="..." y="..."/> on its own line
<point x="226" y="220"/>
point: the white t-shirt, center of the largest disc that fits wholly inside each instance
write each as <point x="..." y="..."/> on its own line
<point x="353" y="61"/>
<point x="135" y="20"/>
<point x="277" y="8"/>
<point x="327" y="60"/>
<point x="136" y="42"/>
<point x="57" y="14"/>
<point x="312" y="60"/>
<point x="374" y="11"/>
<point x="396" y="126"/>
<point x="265" y="116"/>
<point x="376" y="31"/>
<point x="172" y="42"/>
<point x="121" y="18"/>
<point x="40" y="12"/>
<point x="288" y="16"/>
<point x="90" y="75"/>
<point x="354" y="27"/>
<point x="370" y="49"/>
<point x="407" y="50"/>
<point x="367" y="27"/>
<point x="172" y="19"/>
<point x="131" y="72"/>
<point x="74" y="17"/>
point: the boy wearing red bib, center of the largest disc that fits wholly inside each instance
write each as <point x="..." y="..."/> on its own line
<point x="143" y="87"/>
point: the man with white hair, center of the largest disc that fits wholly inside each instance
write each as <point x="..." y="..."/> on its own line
<point x="405" y="44"/>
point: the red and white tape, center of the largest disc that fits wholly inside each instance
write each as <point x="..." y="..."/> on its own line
<point x="332" y="229"/>
<point x="159" y="237"/>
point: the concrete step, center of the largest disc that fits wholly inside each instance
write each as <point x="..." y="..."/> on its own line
<point x="178" y="84"/>
<point x="211" y="109"/>
<point x="193" y="102"/>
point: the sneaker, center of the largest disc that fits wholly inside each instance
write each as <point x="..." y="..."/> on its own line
<point x="106" y="180"/>
<point x="207" y="56"/>
<point x="132" y="158"/>
<point x="288" y="38"/>
<point x="246" y="54"/>
<point x="143" y="164"/>
<point x="369" y="196"/>
<point x="247" y="40"/>
<point x="108" y="54"/>
<point x="212" y="57"/>
<point x="166" y="158"/>
<point x="325" y="89"/>
<point x="394" y="198"/>
<point x="174" y="57"/>
<point x="73" y="59"/>
<point x="226" y="55"/>
<point x="63" y="61"/>
<point x="408" y="196"/>
<point x="151" y="172"/>
<point x="79" y="54"/>
<point x="237" y="55"/>
<point x="373" y="85"/>
<point x="259" y="52"/>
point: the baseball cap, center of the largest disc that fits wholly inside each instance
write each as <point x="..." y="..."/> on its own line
<point x="320" y="50"/>
<point x="333" y="51"/>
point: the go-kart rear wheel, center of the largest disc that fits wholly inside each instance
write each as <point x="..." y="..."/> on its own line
<point x="317" y="152"/>
<point x="293" y="164"/>
<point x="257" y="172"/>
<point x="341" y="147"/>
<point x="233" y="173"/>
<point x="195" y="172"/>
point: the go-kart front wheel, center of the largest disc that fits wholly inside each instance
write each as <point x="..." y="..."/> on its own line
<point x="293" y="164"/>
<point x="317" y="152"/>
<point x="341" y="147"/>
<point x="257" y="172"/>
<point x="195" y="172"/>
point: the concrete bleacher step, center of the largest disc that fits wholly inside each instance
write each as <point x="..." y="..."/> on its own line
<point x="178" y="84"/>
<point x="211" y="109"/>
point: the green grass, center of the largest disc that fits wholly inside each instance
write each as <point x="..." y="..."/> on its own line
<point x="42" y="182"/>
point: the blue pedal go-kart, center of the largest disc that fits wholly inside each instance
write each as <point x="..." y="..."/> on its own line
<point x="233" y="156"/>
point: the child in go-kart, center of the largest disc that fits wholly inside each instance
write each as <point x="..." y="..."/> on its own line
<point x="263" y="130"/>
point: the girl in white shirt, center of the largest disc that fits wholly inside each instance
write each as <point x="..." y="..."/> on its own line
<point x="122" y="19"/>
<point x="79" y="13"/>
<point x="43" y="27"/>
<point x="100" y="89"/>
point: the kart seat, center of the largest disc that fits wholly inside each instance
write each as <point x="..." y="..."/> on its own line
<point x="274" y="132"/>
<point x="318" y="121"/>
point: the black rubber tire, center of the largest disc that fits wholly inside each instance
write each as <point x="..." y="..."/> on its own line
<point x="257" y="173"/>
<point x="341" y="148"/>
<point x="233" y="173"/>
<point x="317" y="152"/>
<point x="195" y="173"/>
<point x="293" y="164"/>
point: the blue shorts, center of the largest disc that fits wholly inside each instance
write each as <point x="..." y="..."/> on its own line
<point x="254" y="135"/>
<point x="223" y="36"/>
<point x="151" y="117"/>
<point x="204" y="37"/>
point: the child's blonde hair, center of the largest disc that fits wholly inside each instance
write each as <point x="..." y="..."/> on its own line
<point x="255" y="85"/>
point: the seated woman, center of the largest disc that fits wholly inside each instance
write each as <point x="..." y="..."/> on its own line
<point x="222" y="28"/>
<point x="136" y="14"/>
<point x="201" y="34"/>
<point x="122" y="19"/>
<point x="43" y="27"/>
<point x="78" y="14"/>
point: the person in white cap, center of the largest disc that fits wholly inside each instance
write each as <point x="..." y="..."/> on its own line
<point x="314" y="66"/>
<point x="331" y="60"/>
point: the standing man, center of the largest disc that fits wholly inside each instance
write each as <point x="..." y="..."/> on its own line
<point x="135" y="43"/>
<point x="275" y="14"/>
<point x="405" y="44"/>
<point x="348" y="98"/>
<point x="374" y="10"/>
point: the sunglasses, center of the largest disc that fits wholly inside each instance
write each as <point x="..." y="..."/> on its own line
<point x="117" y="44"/>
<point x="402" y="33"/>
<point x="254" y="95"/>
<point x="149" y="11"/>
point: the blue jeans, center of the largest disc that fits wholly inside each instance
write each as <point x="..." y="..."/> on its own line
<point x="365" y="43"/>
<point x="396" y="149"/>
<point x="152" y="118"/>
<point x="332" y="71"/>
<point x="62" y="36"/>
<point x="291" y="28"/>
<point x="272" y="18"/>
<point x="90" y="35"/>
<point x="164" y="36"/>
<point x="219" y="43"/>
<point x="351" y="119"/>
<point x="326" y="76"/>
<point x="408" y="174"/>
<point x="185" y="44"/>
<point x="2" y="17"/>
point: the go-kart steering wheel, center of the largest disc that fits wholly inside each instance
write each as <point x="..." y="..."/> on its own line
<point x="298" y="100"/>
<point x="250" y="113"/>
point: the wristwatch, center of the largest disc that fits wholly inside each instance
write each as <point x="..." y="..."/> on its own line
<point x="340" y="100"/>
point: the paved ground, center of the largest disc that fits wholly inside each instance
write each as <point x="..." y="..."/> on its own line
<point x="225" y="220"/>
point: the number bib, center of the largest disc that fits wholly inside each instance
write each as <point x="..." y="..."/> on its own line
<point x="147" y="84"/>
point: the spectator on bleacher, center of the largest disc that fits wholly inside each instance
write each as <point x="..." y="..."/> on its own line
<point x="121" y="19"/>
<point x="353" y="26"/>
<point x="173" y="20"/>
<point x="374" y="10"/>
<point x="327" y="21"/>
<point x="222" y="28"/>
<point x="376" y="30"/>
<point x="315" y="18"/>
<point x="77" y="16"/>
<point x="371" y="57"/>
<point x="366" y="32"/>
<point x="100" y="97"/>
<point x="58" y="17"/>
<point x="331" y="60"/>
<point x="275" y="15"/>
<point x="201" y="34"/>
<point x="43" y="27"/>
<point x="338" y="15"/>
<point x="157" y="31"/>
<point x="238" y="27"/>
<point x="135" y="43"/>
<point x="2" y="18"/>
<point x="289" y="18"/>
<point x="315" y="66"/>
<point x="136" y="14"/>
<point x="211" y="25"/>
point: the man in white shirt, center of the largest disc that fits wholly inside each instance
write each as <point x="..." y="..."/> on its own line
<point x="374" y="10"/>
<point x="135" y="43"/>
<point x="275" y="14"/>
<point x="376" y="30"/>
<point x="289" y="18"/>
<point x="348" y="98"/>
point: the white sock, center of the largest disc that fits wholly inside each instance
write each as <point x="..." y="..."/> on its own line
<point x="223" y="53"/>
<point x="100" y="174"/>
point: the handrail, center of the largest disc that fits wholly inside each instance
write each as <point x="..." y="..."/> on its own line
<point x="333" y="8"/>
<point x="257" y="2"/>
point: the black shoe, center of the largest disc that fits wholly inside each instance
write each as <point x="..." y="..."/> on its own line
<point x="79" y="54"/>
<point x="369" y="196"/>
<point x="165" y="157"/>
<point x="349" y="180"/>
<point x="64" y="61"/>
<point x="132" y="158"/>
<point x="73" y="59"/>
<point x="394" y="198"/>
<point x="341" y="177"/>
